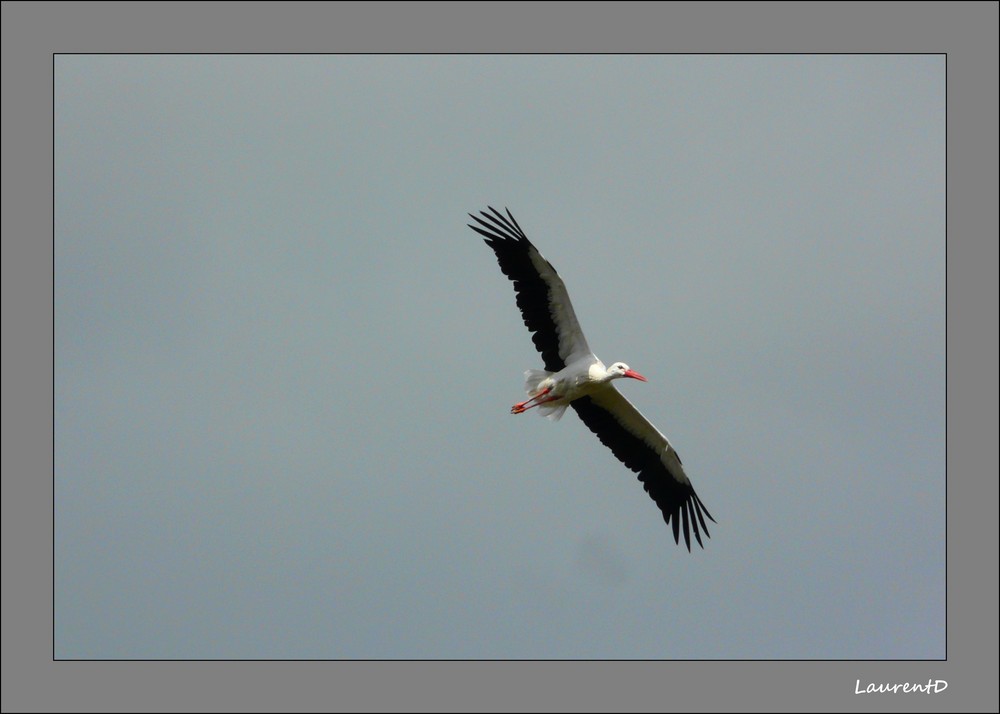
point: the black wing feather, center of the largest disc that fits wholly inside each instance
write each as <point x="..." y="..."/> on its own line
<point x="513" y="251"/>
<point x="676" y="500"/>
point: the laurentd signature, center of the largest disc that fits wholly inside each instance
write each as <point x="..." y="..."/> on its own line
<point x="933" y="686"/>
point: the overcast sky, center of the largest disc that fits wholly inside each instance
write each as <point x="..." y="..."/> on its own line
<point x="284" y="365"/>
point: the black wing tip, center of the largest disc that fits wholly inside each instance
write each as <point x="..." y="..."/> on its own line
<point x="495" y="211"/>
<point x="702" y="509"/>
<point x="487" y="236"/>
<point x="491" y="210"/>
<point x="685" y="516"/>
<point x="692" y="511"/>
<point x="498" y="226"/>
<point x="509" y="220"/>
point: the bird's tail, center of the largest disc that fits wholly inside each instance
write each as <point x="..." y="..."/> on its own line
<point x="532" y="378"/>
<point x="552" y="412"/>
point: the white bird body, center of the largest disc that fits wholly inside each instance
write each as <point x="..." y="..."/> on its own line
<point x="574" y="376"/>
<point x="585" y="376"/>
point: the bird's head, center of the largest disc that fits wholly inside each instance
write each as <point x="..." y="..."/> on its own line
<point x="620" y="369"/>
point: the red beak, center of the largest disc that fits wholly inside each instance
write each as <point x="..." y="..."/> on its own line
<point x="635" y="375"/>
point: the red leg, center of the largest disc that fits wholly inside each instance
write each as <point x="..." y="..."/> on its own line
<point x="524" y="406"/>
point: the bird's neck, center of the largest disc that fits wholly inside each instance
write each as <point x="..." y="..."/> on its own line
<point x="599" y="373"/>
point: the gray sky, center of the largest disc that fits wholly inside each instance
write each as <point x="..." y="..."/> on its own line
<point x="284" y="364"/>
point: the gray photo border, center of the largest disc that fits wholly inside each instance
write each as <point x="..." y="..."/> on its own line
<point x="34" y="31"/>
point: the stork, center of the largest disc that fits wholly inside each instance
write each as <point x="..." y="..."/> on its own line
<point x="574" y="377"/>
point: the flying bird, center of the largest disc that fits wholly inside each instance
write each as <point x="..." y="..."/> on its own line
<point x="575" y="377"/>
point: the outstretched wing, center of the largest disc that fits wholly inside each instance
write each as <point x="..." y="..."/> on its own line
<point x="541" y="294"/>
<point x="640" y="446"/>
